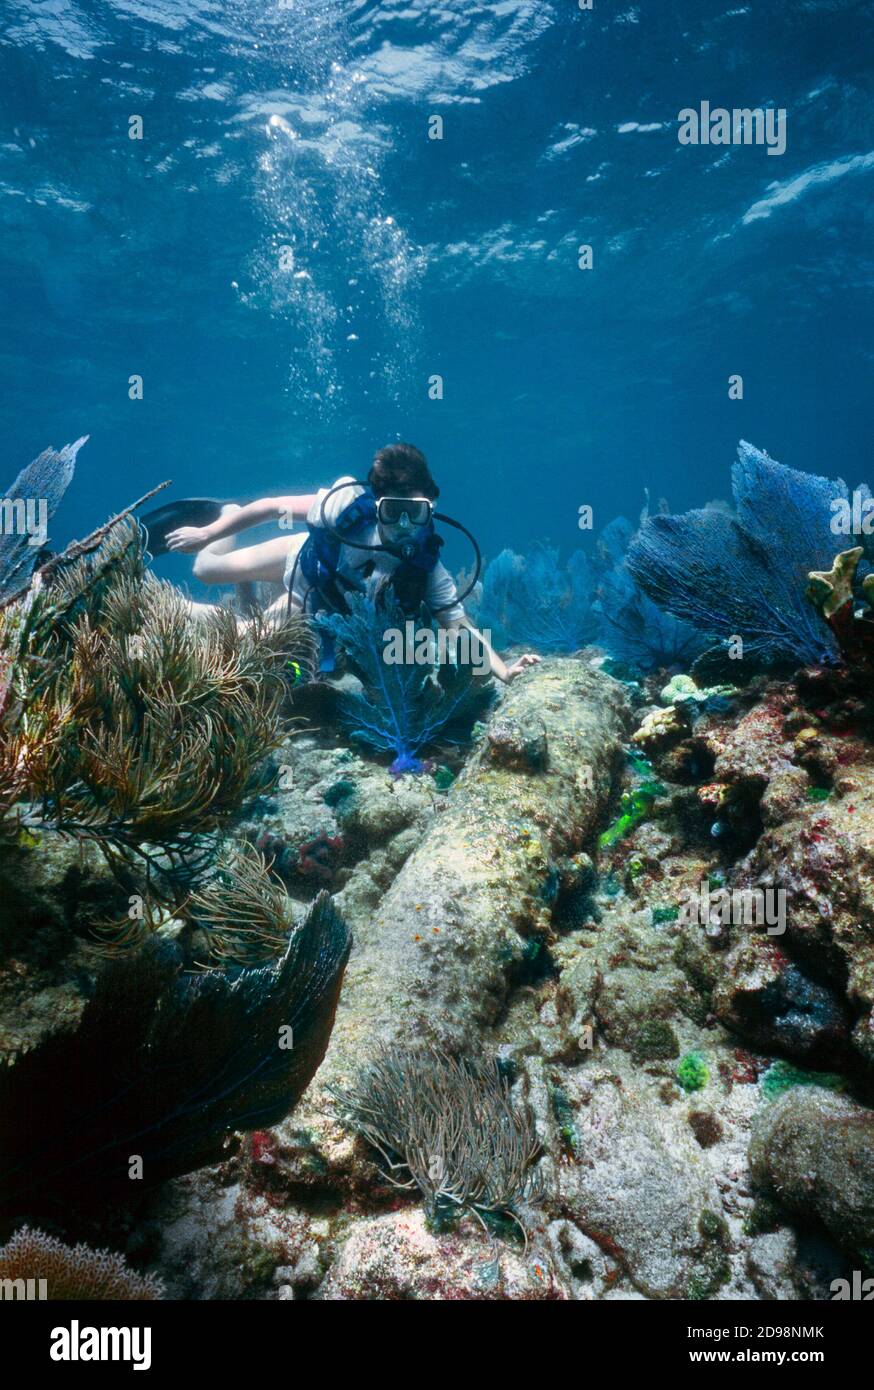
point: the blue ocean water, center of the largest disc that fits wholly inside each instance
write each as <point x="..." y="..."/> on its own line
<point x="302" y="126"/>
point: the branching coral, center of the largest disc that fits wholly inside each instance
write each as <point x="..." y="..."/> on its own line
<point x="405" y="705"/>
<point x="73" y="1272"/>
<point x="447" y="1126"/>
<point x="165" y="1065"/>
<point x="745" y="575"/>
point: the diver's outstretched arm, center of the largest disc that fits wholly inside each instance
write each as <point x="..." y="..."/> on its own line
<point x="497" y="667"/>
<point x="285" y="509"/>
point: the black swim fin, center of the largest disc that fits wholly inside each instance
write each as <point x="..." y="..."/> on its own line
<point x="188" y="511"/>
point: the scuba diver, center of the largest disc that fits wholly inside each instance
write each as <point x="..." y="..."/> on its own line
<point x="358" y="534"/>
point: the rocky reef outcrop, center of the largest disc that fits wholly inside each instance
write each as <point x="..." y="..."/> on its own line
<point x="813" y="1150"/>
<point x="474" y="898"/>
<point x="652" y="1047"/>
<point x="568" y="899"/>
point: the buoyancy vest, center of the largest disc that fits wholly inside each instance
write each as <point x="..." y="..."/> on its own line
<point x="319" y="559"/>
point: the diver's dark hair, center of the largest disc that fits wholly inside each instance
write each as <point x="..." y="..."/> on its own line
<point x="401" y="470"/>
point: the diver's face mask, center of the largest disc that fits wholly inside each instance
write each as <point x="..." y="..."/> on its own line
<point x="404" y="513"/>
<point x="402" y="521"/>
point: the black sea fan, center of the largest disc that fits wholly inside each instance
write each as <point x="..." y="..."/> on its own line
<point x="164" y="1066"/>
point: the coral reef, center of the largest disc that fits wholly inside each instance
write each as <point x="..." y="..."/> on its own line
<point x="455" y="925"/>
<point x="164" y="1065"/>
<point x="559" y="922"/>
<point x="126" y="727"/>
<point x="73" y="1273"/>
<point x="577" y="966"/>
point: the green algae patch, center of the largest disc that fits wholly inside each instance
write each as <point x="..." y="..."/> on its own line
<point x="637" y="803"/>
<point x="781" y="1076"/>
<point x="641" y="765"/>
<point x="664" y="914"/>
<point x="818" y="793"/>
<point x="339" y="791"/>
<point x="712" y="1226"/>
<point x="692" y="1072"/>
<point x="634" y="808"/>
<point x="566" y="1120"/>
<point x="764" y="1216"/>
<point x="713" y="1274"/>
<point x="714" y="1269"/>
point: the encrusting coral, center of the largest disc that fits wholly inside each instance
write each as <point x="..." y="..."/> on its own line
<point x="73" y="1272"/>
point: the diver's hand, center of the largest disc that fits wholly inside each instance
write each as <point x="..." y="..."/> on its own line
<point x="188" y="538"/>
<point x="529" y="659"/>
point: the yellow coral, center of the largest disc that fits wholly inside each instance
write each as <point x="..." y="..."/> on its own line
<point x="659" y="726"/>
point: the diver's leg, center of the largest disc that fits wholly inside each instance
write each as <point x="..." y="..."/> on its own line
<point x="227" y="542"/>
<point x="265" y="561"/>
<point x="279" y="609"/>
<point x="203" y="562"/>
<point x="201" y="610"/>
<point x="275" y="614"/>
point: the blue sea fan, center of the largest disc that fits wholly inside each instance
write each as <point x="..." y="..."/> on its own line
<point x="528" y="600"/>
<point x="746" y="574"/>
<point x="42" y="483"/>
<point x="404" y="706"/>
<point x="634" y="630"/>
